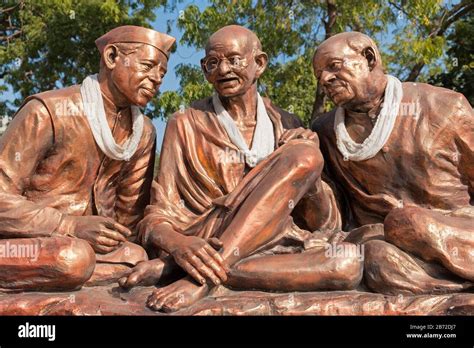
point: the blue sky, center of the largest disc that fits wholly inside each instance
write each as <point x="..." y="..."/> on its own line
<point x="183" y="54"/>
<point x="189" y="55"/>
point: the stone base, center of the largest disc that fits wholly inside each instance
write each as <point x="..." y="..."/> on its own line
<point x="111" y="300"/>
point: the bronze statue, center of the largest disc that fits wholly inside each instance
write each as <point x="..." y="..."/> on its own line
<point x="241" y="198"/>
<point x="234" y="168"/>
<point x="402" y="155"/>
<point x="76" y="170"/>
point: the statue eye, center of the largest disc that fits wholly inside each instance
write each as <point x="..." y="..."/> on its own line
<point x="148" y="67"/>
<point x="335" y="66"/>
<point x="211" y="64"/>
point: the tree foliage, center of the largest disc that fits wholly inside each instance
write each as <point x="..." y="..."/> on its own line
<point x="410" y="33"/>
<point x="48" y="44"/>
<point x="460" y="60"/>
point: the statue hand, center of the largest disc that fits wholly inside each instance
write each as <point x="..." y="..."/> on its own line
<point x="297" y="133"/>
<point x="200" y="260"/>
<point x="103" y="234"/>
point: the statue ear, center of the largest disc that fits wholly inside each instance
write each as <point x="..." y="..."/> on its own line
<point x="262" y="60"/>
<point x="110" y="56"/>
<point x="369" y="54"/>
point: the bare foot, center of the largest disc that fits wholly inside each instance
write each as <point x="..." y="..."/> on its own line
<point x="176" y="296"/>
<point x="144" y="274"/>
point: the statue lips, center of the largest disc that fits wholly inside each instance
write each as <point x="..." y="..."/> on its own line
<point x="228" y="81"/>
<point x="150" y="93"/>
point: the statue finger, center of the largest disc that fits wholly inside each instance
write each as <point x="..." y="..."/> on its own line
<point x="215" y="243"/>
<point x="295" y="134"/>
<point x="215" y="255"/>
<point x="310" y="135"/>
<point x="301" y="133"/>
<point x="113" y="235"/>
<point x="216" y="269"/>
<point x="193" y="272"/>
<point x="102" y="240"/>
<point x="121" y="229"/>
<point x="195" y="262"/>
<point x="102" y="249"/>
<point x="210" y="275"/>
<point x="203" y="269"/>
<point x="284" y="137"/>
<point x="285" y="133"/>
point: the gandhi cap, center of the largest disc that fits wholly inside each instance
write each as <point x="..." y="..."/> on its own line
<point x="132" y="33"/>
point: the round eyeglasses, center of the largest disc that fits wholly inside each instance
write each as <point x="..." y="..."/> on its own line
<point x="236" y="63"/>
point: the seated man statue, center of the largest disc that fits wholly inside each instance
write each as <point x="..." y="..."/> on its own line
<point x="233" y="169"/>
<point x="76" y="169"/>
<point x="402" y="154"/>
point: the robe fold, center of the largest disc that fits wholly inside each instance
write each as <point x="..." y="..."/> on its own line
<point x="203" y="180"/>
<point x="428" y="160"/>
<point x="50" y="166"/>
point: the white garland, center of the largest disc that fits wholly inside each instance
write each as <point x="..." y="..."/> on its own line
<point x="382" y="129"/>
<point x="263" y="140"/>
<point x="95" y="112"/>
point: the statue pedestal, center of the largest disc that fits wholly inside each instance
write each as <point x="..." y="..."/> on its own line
<point x="111" y="300"/>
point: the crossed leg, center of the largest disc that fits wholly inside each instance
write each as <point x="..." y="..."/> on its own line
<point x="47" y="264"/>
<point x="429" y="253"/>
<point x="259" y="219"/>
<point x="61" y="264"/>
<point x="308" y="271"/>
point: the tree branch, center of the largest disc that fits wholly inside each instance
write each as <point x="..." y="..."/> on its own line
<point x="9" y="9"/>
<point x="332" y="15"/>
<point x="399" y="8"/>
<point x="320" y="98"/>
<point x="11" y="36"/>
<point x="452" y="16"/>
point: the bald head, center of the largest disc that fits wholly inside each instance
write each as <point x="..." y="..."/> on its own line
<point x="354" y="40"/>
<point x="349" y="69"/>
<point x="234" y="61"/>
<point x="244" y="36"/>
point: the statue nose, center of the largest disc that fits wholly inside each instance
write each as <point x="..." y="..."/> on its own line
<point x="326" y="77"/>
<point x="155" y="77"/>
<point x="224" y="67"/>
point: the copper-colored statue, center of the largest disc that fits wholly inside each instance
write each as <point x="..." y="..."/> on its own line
<point x="72" y="187"/>
<point x="402" y="155"/>
<point x="241" y="198"/>
<point x="233" y="170"/>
